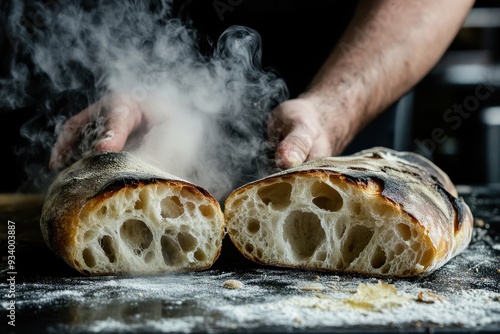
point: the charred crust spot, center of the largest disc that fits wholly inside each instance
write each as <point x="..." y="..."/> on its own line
<point x="361" y="169"/>
<point x="379" y="182"/>
<point x="459" y="213"/>
<point x="455" y="205"/>
<point x="366" y="182"/>
<point x="403" y="171"/>
<point x="437" y="180"/>
<point x="356" y="180"/>
<point x="204" y="192"/>
<point x="375" y="156"/>
<point x="125" y="181"/>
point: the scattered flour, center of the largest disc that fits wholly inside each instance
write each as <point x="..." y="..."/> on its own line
<point x="199" y="302"/>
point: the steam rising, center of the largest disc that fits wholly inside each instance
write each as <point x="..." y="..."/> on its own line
<point x="207" y="110"/>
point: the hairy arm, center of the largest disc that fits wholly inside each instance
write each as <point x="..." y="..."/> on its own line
<point x="388" y="47"/>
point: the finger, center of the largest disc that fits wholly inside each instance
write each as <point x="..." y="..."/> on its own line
<point x="116" y="129"/>
<point x="320" y="149"/>
<point x="294" y="148"/>
<point x="67" y="139"/>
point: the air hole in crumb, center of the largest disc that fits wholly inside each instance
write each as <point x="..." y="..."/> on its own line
<point x="192" y="193"/>
<point x="141" y="202"/>
<point x="103" y="210"/>
<point x="238" y="202"/>
<point x="385" y="269"/>
<point x="259" y="253"/>
<point x="190" y="206"/>
<point x="253" y="226"/>
<point x="136" y="235"/>
<point x="325" y="197"/>
<point x="355" y="242"/>
<point x="427" y="258"/>
<point x="385" y="209"/>
<point x="278" y="195"/>
<point x="340" y="264"/>
<point x="88" y="258"/>
<point x="321" y="256"/>
<point x="200" y="255"/>
<point x="404" y="231"/>
<point x="207" y="211"/>
<point x="187" y="241"/>
<point x="416" y="247"/>
<point x="303" y="232"/>
<point x="149" y="257"/>
<point x="379" y="257"/>
<point x="171" y="207"/>
<point x="107" y="246"/>
<point x="88" y="235"/>
<point x="170" y="251"/>
<point x="249" y="248"/>
<point x="399" y="248"/>
<point x="356" y="208"/>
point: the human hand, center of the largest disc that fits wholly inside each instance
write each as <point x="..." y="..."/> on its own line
<point x="112" y="119"/>
<point x="304" y="133"/>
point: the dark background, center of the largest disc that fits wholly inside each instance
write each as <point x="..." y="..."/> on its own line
<point x="463" y="155"/>
<point x="474" y="54"/>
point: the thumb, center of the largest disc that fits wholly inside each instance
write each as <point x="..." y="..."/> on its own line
<point x="118" y="127"/>
<point x="294" y="148"/>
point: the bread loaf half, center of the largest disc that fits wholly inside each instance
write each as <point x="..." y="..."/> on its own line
<point x="379" y="212"/>
<point x="112" y="214"/>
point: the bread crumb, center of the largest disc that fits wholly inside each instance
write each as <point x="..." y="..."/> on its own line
<point x="316" y="276"/>
<point x="233" y="284"/>
<point x="429" y="297"/>
<point x="377" y="297"/>
<point x="479" y="223"/>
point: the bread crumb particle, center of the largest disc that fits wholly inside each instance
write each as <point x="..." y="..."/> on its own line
<point x="479" y="223"/>
<point x="377" y="297"/>
<point x="233" y="284"/>
<point x="429" y="297"/>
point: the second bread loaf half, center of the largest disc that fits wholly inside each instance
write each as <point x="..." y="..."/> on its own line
<point x="378" y="212"/>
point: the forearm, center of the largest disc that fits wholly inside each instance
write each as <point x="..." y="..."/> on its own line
<point x="389" y="46"/>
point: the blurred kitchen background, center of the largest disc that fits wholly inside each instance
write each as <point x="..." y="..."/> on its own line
<point x="452" y="116"/>
<point x="466" y="143"/>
